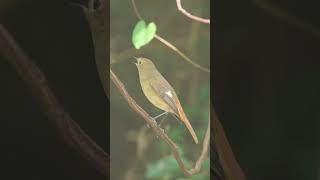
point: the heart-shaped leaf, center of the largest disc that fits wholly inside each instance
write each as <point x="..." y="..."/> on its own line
<point x="143" y="34"/>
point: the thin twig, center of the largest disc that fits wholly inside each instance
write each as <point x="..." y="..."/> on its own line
<point x="67" y="128"/>
<point x="168" y="44"/>
<point x="196" y="18"/>
<point x="136" y="10"/>
<point x="160" y="132"/>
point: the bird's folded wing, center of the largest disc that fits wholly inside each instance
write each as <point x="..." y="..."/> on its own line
<point x="166" y="92"/>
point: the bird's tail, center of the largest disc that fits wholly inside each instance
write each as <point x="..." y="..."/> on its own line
<point x="185" y="120"/>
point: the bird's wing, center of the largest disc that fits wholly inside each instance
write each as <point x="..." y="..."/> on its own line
<point x="166" y="92"/>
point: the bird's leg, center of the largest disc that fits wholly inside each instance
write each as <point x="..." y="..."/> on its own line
<point x="160" y="115"/>
<point x="162" y="120"/>
<point x="155" y="118"/>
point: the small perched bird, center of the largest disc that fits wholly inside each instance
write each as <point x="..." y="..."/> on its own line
<point x="160" y="93"/>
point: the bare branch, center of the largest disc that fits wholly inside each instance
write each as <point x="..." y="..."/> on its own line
<point x="160" y="132"/>
<point x="186" y="13"/>
<point x="67" y="128"/>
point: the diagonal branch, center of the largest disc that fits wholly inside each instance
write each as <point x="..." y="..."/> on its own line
<point x="160" y="132"/>
<point x="175" y="49"/>
<point x="186" y="13"/>
<point x="68" y="129"/>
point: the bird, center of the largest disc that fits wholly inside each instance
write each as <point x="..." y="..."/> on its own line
<point x="160" y="93"/>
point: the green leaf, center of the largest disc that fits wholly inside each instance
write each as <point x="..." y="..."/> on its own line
<point x="143" y="34"/>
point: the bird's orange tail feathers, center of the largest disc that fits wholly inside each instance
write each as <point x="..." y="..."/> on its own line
<point x="185" y="120"/>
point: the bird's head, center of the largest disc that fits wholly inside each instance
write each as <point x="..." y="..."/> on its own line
<point x="143" y="63"/>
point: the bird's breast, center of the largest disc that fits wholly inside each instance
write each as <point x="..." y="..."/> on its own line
<point x="153" y="96"/>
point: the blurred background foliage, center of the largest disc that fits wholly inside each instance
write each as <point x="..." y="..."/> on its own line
<point x="136" y="152"/>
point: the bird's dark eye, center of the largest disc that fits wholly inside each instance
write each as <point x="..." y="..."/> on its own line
<point x="139" y="62"/>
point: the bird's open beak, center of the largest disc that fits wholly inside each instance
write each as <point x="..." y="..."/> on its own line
<point x="136" y="63"/>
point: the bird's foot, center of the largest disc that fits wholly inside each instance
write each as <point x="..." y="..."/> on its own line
<point x="156" y="119"/>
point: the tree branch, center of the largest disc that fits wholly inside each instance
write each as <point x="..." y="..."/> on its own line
<point x="160" y="132"/>
<point x="67" y="128"/>
<point x="186" y="13"/>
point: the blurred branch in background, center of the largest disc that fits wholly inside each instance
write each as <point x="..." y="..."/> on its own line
<point x="170" y="45"/>
<point x="196" y="18"/>
<point x="290" y="19"/>
<point x="68" y="129"/>
<point x="226" y="158"/>
<point x="142" y="141"/>
<point x="160" y="132"/>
